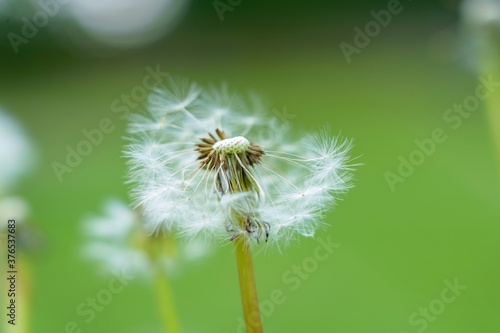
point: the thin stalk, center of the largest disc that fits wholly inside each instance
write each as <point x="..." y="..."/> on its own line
<point x="23" y="292"/>
<point x="166" y="303"/>
<point x="248" y="289"/>
<point x="493" y="108"/>
<point x="489" y="66"/>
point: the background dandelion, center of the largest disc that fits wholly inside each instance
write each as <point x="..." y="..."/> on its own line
<point x="17" y="157"/>
<point x="118" y="241"/>
<point x="16" y="152"/>
<point x="481" y="35"/>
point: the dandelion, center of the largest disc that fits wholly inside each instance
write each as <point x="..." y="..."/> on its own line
<point x="480" y="31"/>
<point x="13" y="207"/>
<point x="17" y="158"/>
<point x="209" y="164"/>
<point x="16" y="153"/>
<point x="481" y="35"/>
<point x="118" y="242"/>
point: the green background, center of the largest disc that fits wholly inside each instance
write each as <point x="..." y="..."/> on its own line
<point x="397" y="248"/>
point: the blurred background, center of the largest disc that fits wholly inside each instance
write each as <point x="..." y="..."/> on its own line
<point x="66" y="65"/>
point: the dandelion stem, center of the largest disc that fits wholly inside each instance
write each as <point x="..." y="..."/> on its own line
<point x="492" y="103"/>
<point x="493" y="106"/>
<point x="22" y="325"/>
<point x="166" y="303"/>
<point x="247" y="287"/>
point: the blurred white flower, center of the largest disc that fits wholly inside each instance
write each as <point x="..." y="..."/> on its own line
<point x="209" y="164"/>
<point x="126" y="23"/>
<point x="481" y="12"/>
<point x="117" y="241"/>
<point x="481" y="33"/>
<point x="16" y="153"/>
<point x="13" y="207"/>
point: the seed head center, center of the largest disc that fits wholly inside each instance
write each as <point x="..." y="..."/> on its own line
<point x="236" y="145"/>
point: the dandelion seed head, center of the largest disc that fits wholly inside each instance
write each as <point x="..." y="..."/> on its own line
<point x="13" y="207"/>
<point x="116" y="240"/>
<point x="236" y="145"/>
<point x="481" y="12"/>
<point x="479" y="34"/>
<point x="16" y="152"/>
<point x="211" y="164"/>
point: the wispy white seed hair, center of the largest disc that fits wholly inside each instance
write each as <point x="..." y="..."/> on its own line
<point x="16" y="152"/>
<point x="210" y="164"/>
<point x="117" y="241"/>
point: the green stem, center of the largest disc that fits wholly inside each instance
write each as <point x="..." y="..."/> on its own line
<point x="493" y="109"/>
<point x="488" y="65"/>
<point x="248" y="289"/>
<point x="22" y="299"/>
<point x="166" y="303"/>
